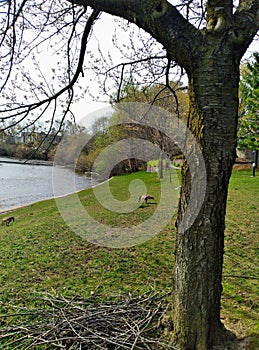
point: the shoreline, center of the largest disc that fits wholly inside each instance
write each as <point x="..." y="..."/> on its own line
<point x="25" y="162"/>
<point x="11" y="209"/>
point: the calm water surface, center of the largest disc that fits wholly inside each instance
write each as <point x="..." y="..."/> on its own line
<point x="21" y="184"/>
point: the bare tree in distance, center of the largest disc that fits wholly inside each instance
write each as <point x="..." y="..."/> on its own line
<point x="208" y="41"/>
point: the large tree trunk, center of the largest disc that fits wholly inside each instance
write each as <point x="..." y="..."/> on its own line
<point x="213" y="91"/>
<point x="210" y="56"/>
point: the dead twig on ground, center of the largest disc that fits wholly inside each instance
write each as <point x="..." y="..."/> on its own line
<point x="125" y="323"/>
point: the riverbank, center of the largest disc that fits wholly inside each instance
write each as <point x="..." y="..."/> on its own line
<point x="25" y="161"/>
<point x="40" y="254"/>
<point x="13" y="209"/>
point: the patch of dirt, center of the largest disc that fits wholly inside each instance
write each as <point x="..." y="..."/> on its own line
<point x="241" y="166"/>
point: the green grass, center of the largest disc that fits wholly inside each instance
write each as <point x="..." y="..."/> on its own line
<point x="241" y="261"/>
<point x="39" y="253"/>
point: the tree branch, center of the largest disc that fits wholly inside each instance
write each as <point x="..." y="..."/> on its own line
<point x="24" y="110"/>
<point x="213" y="5"/>
<point x="161" y="20"/>
<point x="246" y="23"/>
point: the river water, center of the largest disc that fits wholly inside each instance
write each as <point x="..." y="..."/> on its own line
<point x="22" y="184"/>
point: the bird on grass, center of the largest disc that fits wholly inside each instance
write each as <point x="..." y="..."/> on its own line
<point x="145" y="197"/>
<point x="8" y="220"/>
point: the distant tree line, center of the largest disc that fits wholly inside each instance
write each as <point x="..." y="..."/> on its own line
<point x="105" y="131"/>
<point x="38" y="142"/>
<point x="34" y="142"/>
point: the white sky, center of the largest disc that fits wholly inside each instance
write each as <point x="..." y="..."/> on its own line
<point x="103" y="31"/>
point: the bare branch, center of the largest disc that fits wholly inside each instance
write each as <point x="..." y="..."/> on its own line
<point x="246" y="24"/>
<point x="125" y="323"/>
<point x="161" y="20"/>
<point x="25" y="110"/>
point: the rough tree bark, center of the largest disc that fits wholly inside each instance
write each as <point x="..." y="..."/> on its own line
<point x="211" y="57"/>
<point x="199" y="250"/>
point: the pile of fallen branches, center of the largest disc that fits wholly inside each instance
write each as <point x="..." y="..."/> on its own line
<point x="125" y="323"/>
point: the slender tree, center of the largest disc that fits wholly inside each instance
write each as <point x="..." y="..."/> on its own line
<point x="208" y="42"/>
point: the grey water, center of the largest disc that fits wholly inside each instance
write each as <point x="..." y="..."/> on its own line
<point x="22" y="184"/>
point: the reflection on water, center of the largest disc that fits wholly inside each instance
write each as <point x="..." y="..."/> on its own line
<point x="22" y="184"/>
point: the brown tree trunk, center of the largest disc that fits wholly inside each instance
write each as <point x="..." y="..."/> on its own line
<point x="199" y="250"/>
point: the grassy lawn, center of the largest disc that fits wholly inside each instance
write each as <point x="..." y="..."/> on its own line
<point x="241" y="261"/>
<point x="40" y="253"/>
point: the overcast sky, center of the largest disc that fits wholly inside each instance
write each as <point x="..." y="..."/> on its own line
<point x="87" y="106"/>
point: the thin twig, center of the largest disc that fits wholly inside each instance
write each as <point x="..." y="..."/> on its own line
<point x="128" y="323"/>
